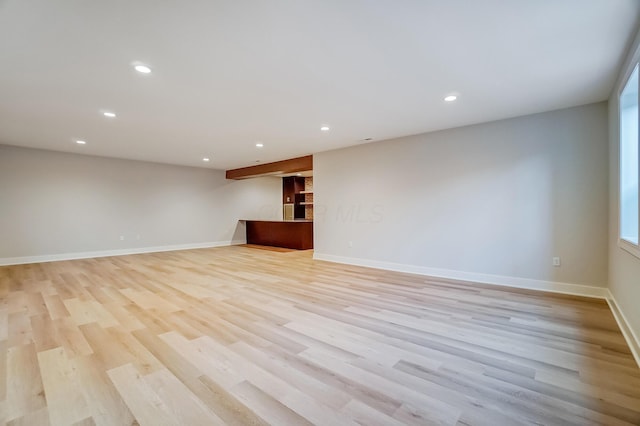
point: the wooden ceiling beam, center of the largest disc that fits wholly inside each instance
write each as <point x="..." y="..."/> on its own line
<point x="300" y="164"/>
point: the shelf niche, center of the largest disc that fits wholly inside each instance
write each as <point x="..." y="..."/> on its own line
<point x="299" y="192"/>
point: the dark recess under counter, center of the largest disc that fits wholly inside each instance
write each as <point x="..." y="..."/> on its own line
<point x="293" y="234"/>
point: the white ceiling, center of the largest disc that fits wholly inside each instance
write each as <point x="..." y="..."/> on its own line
<point x="227" y="74"/>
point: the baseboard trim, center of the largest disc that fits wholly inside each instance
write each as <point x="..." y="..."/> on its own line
<point x="500" y="280"/>
<point x="627" y="331"/>
<point x="118" y="252"/>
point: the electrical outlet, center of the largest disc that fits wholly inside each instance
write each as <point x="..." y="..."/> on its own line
<point x="138" y="237"/>
<point x="350" y="243"/>
<point x="121" y="237"/>
<point x="556" y="261"/>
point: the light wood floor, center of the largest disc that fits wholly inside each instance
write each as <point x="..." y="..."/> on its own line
<point x="245" y="336"/>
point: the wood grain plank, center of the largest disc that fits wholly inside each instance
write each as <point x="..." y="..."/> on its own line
<point x="105" y="403"/>
<point x="25" y="392"/>
<point x="144" y="403"/>
<point x="65" y="401"/>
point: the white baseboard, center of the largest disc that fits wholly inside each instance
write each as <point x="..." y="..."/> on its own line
<point x="627" y="331"/>
<point x="118" y="252"/>
<point x="501" y="280"/>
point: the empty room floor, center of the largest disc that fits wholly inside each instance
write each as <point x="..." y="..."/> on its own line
<point x="244" y="336"/>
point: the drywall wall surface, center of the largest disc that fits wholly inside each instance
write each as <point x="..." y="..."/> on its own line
<point x="54" y="203"/>
<point x="500" y="198"/>
<point x="624" y="267"/>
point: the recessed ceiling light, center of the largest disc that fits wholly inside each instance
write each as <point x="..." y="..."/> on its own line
<point x="205" y="159"/>
<point x="81" y="142"/>
<point x="450" y="98"/>
<point x="142" y="69"/>
<point x="259" y="145"/>
<point x="325" y="128"/>
<point x="298" y="174"/>
<point x="109" y="114"/>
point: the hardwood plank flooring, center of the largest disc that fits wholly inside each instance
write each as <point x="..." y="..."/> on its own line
<point x="248" y="336"/>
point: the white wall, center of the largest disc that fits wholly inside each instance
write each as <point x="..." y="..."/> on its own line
<point x="624" y="268"/>
<point x="494" y="200"/>
<point x="56" y="203"/>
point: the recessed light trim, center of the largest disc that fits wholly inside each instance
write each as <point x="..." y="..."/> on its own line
<point x="206" y="159"/>
<point x="109" y="114"/>
<point x="450" y="98"/>
<point x="259" y="145"/>
<point x="81" y="142"/>
<point x="143" y="69"/>
<point x="325" y="128"/>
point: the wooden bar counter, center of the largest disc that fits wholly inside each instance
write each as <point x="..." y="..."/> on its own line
<point x="293" y="234"/>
